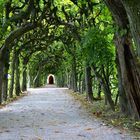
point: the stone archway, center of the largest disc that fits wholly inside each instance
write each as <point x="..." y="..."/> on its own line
<point x="51" y="79"/>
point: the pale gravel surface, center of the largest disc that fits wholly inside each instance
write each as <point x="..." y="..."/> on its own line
<point x="52" y="114"/>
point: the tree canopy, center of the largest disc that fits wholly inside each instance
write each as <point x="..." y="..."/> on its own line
<point x="91" y="47"/>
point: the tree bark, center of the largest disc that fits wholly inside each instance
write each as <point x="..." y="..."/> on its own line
<point x="74" y="74"/>
<point x="36" y="79"/>
<point x="130" y="72"/>
<point x="132" y="8"/>
<point x="83" y="86"/>
<point x="17" y="78"/>
<point x="107" y="90"/>
<point x="99" y="90"/>
<point x="1" y="78"/>
<point x="11" y="88"/>
<point x="106" y="87"/>
<point x="24" y="74"/>
<point x="4" y="66"/>
<point x="24" y="80"/>
<point x="80" y="82"/>
<point x="130" y="75"/>
<point x="88" y="81"/>
<point x="5" y="78"/>
<point x="123" y="100"/>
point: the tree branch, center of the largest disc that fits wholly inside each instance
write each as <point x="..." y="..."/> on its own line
<point x="17" y="33"/>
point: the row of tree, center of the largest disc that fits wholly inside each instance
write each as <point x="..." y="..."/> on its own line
<point x="91" y="46"/>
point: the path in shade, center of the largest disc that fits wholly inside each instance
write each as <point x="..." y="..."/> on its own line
<point x="52" y="114"/>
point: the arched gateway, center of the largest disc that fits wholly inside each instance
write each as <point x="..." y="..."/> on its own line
<point x="50" y="79"/>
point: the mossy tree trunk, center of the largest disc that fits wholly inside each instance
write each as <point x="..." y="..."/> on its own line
<point x="132" y="8"/>
<point x="130" y="73"/>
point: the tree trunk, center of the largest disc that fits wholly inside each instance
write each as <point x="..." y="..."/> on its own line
<point x="106" y="87"/>
<point x="11" y="88"/>
<point x="24" y="80"/>
<point x="130" y="72"/>
<point x="83" y="85"/>
<point x="5" y="78"/>
<point x="99" y="90"/>
<point x="1" y="78"/>
<point x="31" y="79"/>
<point x="74" y="75"/>
<point x="67" y="79"/>
<point x="88" y="81"/>
<point x="5" y="83"/>
<point x="24" y="75"/>
<point x="107" y="90"/>
<point x="71" y="81"/>
<point x="132" y="8"/>
<point x="4" y="66"/>
<point x="123" y="100"/>
<point x="36" y="79"/>
<point x="80" y="82"/>
<point x="17" y="78"/>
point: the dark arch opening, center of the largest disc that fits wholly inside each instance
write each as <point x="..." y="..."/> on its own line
<point x="51" y="80"/>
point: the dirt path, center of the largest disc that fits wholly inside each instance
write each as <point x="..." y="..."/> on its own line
<point x="52" y="114"/>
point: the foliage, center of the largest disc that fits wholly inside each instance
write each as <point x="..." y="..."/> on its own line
<point x="99" y="52"/>
<point x="97" y="47"/>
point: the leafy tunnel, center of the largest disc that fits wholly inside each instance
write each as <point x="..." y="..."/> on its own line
<point x="91" y="47"/>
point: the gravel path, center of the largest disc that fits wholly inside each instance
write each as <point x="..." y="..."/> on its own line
<point x="52" y="114"/>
